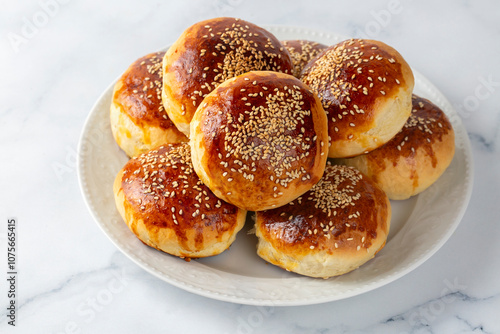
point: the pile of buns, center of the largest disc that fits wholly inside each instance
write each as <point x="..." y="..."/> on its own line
<point x="313" y="139"/>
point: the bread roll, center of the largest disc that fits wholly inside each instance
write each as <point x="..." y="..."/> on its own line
<point x="167" y="207"/>
<point x="365" y="87"/>
<point x="334" y="228"/>
<point x="138" y="120"/>
<point x="210" y="52"/>
<point x="302" y="51"/>
<point x="416" y="157"/>
<point x="259" y="140"/>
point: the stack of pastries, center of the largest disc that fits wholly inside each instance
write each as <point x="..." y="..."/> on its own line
<point x="313" y="139"/>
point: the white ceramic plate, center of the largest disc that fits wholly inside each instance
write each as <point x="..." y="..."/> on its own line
<point x="419" y="227"/>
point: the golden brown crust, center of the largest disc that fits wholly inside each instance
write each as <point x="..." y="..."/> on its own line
<point x="138" y="119"/>
<point x="166" y="205"/>
<point x="416" y="157"/>
<point x="210" y="52"/>
<point x="341" y="223"/>
<point x="365" y="87"/>
<point x="259" y="140"/>
<point x="139" y="92"/>
<point x="301" y="52"/>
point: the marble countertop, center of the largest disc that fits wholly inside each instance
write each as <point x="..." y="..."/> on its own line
<point x="58" y="56"/>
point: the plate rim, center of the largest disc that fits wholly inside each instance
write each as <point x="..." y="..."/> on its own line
<point x="231" y="297"/>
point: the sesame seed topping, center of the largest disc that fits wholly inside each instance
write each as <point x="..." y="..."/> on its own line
<point x="267" y="130"/>
<point x="345" y="73"/>
<point x="233" y="48"/>
<point x="161" y="171"/>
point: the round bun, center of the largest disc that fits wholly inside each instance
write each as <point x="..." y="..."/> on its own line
<point x="416" y="157"/>
<point x="210" y="52"/>
<point x="138" y="120"/>
<point x="302" y="51"/>
<point x="365" y="87"/>
<point x="334" y="228"/>
<point x="167" y="207"/>
<point x="260" y="140"/>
